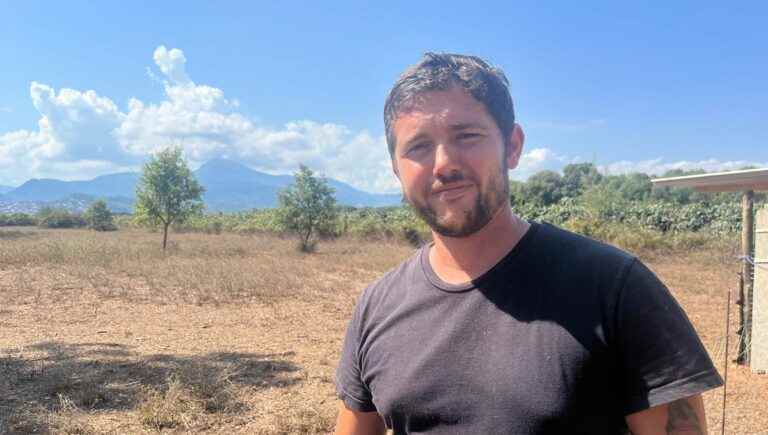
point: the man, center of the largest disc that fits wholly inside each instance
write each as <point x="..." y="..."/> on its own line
<point x="503" y="326"/>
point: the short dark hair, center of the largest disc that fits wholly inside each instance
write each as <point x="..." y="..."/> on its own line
<point x="442" y="71"/>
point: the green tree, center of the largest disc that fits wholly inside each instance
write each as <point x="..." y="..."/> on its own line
<point x="632" y="187"/>
<point x="578" y="177"/>
<point x="544" y="188"/>
<point x="167" y="192"/>
<point x="601" y="201"/>
<point x="516" y="192"/>
<point x="99" y="217"/>
<point x="307" y="207"/>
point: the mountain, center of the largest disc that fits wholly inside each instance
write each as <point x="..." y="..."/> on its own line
<point x="230" y="186"/>
<point x="75" y="202"/>
<point x="120" y="184"/>
<point x="4" y="189"/>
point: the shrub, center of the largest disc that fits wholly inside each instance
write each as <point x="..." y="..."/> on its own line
<point x="17" y="219"/>
<point x="307" y="208"/>
<point x="59" y="218"/>
<point x="99" y="217"/>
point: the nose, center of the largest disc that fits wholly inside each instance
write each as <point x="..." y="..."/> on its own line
<point x="447" y="161"/>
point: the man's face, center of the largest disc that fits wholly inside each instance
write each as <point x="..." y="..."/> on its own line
<point x="452" y="161"/>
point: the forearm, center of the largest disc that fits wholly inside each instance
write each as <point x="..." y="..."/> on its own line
<point x="358" y="423"/>
<point x="681" y="417"/>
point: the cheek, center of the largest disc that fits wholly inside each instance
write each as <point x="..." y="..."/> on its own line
<point x="412" y="173"/>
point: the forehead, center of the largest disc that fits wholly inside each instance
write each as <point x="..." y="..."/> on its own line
<point x="441" y="107"/>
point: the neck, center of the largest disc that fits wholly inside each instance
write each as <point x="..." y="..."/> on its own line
<point x="461" y="259"/>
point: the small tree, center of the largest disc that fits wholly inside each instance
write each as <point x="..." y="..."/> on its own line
<point x="99" y="217"/>
<point x="307" y="207"/>
<point x="167" y="192"/>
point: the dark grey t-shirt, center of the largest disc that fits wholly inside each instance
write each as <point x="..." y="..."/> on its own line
<point x="563" y="335"/>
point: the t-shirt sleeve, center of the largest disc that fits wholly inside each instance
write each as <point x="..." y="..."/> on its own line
<point x="349" y="383"/>
<point x="660" y="353"/>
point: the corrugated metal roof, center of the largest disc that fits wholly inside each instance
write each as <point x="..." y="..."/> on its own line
<point x="732" y="181"/>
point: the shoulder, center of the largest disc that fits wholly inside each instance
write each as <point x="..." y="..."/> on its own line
<point x="567" y="251"/>
<point x="391" y="286"/>
<point x="583" y="278"/>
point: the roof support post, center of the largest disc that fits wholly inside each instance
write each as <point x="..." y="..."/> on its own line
<point x="758" y="358"/>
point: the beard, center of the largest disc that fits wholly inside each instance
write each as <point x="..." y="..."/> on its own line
<point x="491" y="195"/>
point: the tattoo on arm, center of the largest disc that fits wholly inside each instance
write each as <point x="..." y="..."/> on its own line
<point x="682" y="419"/>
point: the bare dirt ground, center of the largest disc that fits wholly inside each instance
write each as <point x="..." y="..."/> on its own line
<point x="102" y="333"/>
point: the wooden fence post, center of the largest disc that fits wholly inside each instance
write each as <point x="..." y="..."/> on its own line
<point x="759" y="349"/>
<point x="745" y="298"/>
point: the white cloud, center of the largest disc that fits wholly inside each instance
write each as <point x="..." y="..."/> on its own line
<point x="659" y="166"/>
<point x="25" y="154"/>
<point x="172" y="64"/>
<point x="82" y="134"/>
<point x="539" y="159"/>
<point x="75" y="128"/>
<point x="79" y="123"/>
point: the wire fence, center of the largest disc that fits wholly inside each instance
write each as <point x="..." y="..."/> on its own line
<point x="722" y="351"/>
<point x="762" y="263"/>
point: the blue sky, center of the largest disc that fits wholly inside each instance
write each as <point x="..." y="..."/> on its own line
<point x="95" y="87"/>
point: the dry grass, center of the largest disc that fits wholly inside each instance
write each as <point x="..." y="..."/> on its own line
<point x="103" y="333"/>
<point x="197" y="268"/>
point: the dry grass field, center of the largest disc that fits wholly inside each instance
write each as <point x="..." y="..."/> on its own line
<point x="103" y="333"/>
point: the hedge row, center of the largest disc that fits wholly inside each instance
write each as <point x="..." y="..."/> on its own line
<point x="388" y="222"/>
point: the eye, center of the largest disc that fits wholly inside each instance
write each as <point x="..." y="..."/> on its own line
<point x="468" y="136"/>
<point x="417" y="148"/>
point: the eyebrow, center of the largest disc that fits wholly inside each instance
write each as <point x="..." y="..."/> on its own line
<point x="453" y="127"/>
<point x="417" y="138"/>
<point x="466" y="126"/>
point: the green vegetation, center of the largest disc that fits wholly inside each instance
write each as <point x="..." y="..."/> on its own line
<point x="59" y="218"/>
<point x="167" y="192"/>
<point x="307" y="208"/>
<point x="619" y="209"/>
<point x="99" y="217"/>
<point x="17" y="220"/>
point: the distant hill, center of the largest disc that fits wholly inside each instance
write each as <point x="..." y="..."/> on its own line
<point x="75" y="202"/>
<point x="120" y="184"/>
<point x="230" y="186"/>
<point x="4" y="189"/>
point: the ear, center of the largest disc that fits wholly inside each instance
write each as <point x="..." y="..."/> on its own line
<point x="515" y="146"/>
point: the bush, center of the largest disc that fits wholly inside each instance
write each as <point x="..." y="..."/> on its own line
<point x="636" y="238"/>
<point x="99" y="217"/>
<point x="384" y="223"/>
<point x="307" y="208"/>
<point x="59" y="218"/>
<point x="17" y="219"/>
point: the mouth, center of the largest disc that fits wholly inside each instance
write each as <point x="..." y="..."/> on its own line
<point x="452" y="191"/>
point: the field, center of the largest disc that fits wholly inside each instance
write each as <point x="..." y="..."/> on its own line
<point x="103" y="333"/>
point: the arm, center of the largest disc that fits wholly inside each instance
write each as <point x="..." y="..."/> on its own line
<point x="681" y="417"/>
<point x="358" y="423"/>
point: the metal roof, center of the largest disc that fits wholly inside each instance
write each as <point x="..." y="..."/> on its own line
<point x="732" y="181"/>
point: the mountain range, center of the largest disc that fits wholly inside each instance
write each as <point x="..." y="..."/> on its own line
<point x="229" y="186"/>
